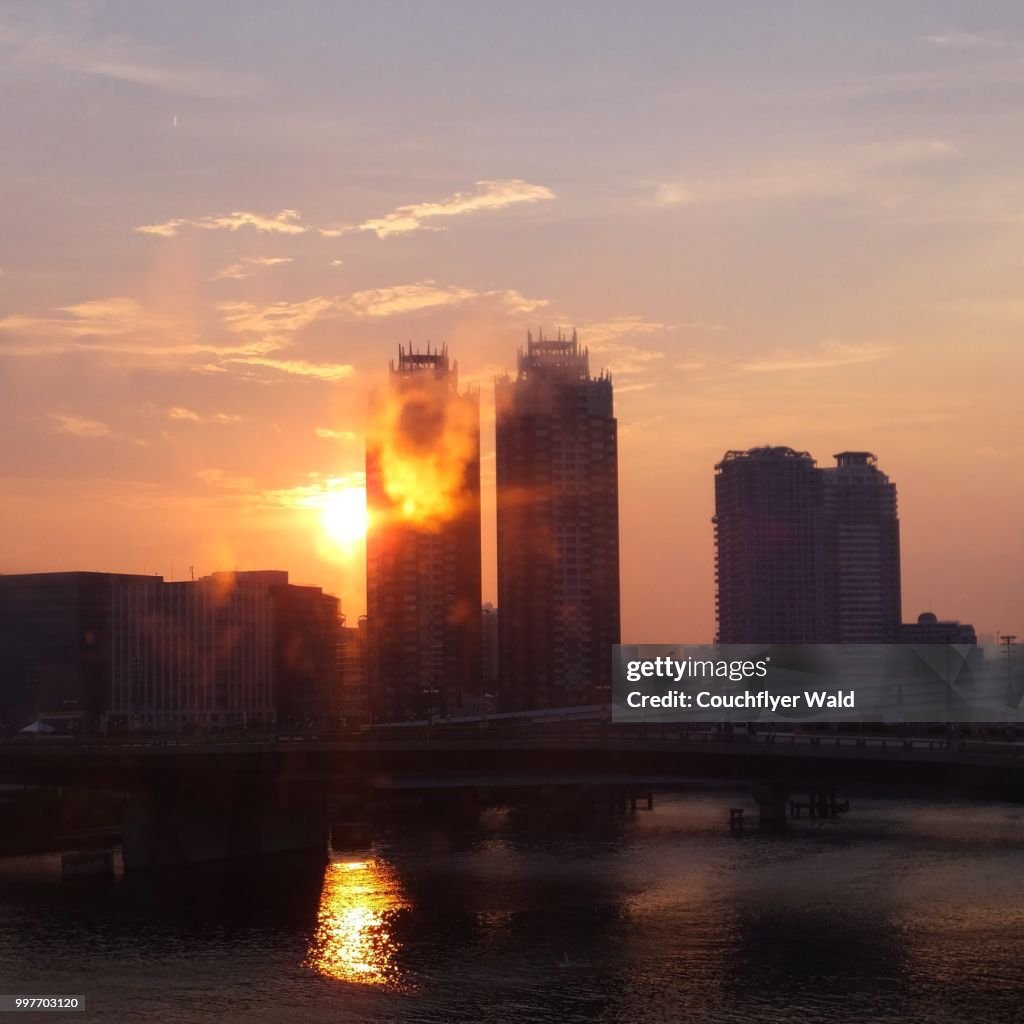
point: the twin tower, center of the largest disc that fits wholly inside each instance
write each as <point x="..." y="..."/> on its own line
<point x="557" y="530"/>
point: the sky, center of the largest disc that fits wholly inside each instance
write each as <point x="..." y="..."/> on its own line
<point x="791" y="224"/>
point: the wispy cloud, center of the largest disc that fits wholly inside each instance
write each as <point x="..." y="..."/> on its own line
<point x="827" y="354"/>
<point x="248" y="265"/>
<point x="277" y="321"/>
<point x="488" y="195"/>
<point x="79" y="426"/>
<point x="179" y="412"/>
<point x="403" y="298"/>
<point x="616" y="341"/>
<point x="218" y="479"/>
<point x="118" y="323"/>
<point x="335" y="435"/>
<point x="284" y="222"/>
<point x="957" y="39"/>
<point x="121" y="59"/>
<point x="867" y="170"/>
<point x="299" y="367"/>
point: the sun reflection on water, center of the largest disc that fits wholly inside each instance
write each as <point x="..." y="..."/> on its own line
<point x="354" y="939"/>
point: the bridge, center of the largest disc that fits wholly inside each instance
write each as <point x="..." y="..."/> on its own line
<point x="212" y="798"/>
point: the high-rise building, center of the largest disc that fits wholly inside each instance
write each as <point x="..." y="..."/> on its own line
<point x="862" y="551"/>
<point x="805" y="555"/>
<point x="558" y="528"/>
<point x="423" y="539"/>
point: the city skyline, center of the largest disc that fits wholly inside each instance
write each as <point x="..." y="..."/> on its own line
<point x="215" y="243"/>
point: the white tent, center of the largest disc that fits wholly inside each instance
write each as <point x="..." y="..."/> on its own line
<point x="39" y="727"/>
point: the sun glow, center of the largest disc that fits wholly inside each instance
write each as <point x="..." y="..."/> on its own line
<point x="344" y="517"/>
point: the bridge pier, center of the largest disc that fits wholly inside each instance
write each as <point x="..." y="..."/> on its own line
<point x="772" y="799"/>
<point x="175" y="823"/>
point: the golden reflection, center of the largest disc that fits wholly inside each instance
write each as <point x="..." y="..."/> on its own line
<point x="354" y="940"/>
<point x="423" y="438"/>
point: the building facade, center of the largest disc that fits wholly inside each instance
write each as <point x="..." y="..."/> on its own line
<point x="423" y="540"/>
<point x="110" y="651"/>
<point x="805" y="555"/>
<point x="55" y="646"/>
<point x="192" y="655"/>
<point x="930" y="629"/>
<point x="355" y="692"/>
<point x="558" y="528"/>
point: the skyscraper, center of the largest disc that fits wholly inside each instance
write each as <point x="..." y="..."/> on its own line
<point x="558" y="528"/>
<point x="423" y="539"/>
<point x="862" y="551"/>
<point x="805" y="555"/>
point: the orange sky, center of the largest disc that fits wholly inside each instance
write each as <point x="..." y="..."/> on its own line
<point x="780" y="229"/>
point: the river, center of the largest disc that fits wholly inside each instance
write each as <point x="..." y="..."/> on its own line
<point x="904" y="910"/>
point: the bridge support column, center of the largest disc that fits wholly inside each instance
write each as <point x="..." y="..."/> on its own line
<point x="772" y="800"/>
<point x="174" y="824"/>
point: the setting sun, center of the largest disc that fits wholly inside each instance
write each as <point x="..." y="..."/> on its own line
<point x="344" y="516"/>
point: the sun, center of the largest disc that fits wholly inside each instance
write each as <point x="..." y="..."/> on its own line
<point x="344" y="517"/>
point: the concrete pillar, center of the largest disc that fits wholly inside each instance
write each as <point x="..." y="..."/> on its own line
<point x="173" y="823"/>
<point x="772" y="799"/>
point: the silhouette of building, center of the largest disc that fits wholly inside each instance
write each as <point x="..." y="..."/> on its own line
<point x="116" y="651"/>
<point x="489" y="645"/>
<point x="805" y="555"/>
<point x="197" y="654"/>
<point x="862" y="551"/>
<point x="558" y="528"/>
<point x="355" y="693"/>
<point x="929" y="629"/>
<point x="423" y="540"/>
<point x="55" y="646"/>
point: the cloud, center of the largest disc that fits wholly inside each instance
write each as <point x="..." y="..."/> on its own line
<point x="284" y="222"/>
<point x="179" y="412"/>
<point x="612" y="340"/>
<point x="867" y="170"/>
<point x="274" y="322"/>
<point x="80" y="426"/>
<point x="118" y="324"/>
<point x="218" y="479"/>
<point x="247" y="266"/>
<point x="336" y="435"/>
<point x="122" y="59"/>
<point x="403" y="298"/>
<point x="300" y="367"/>
<point x="827" y="355"/>
<point x="309" y="496"/>
<point x="955" y="39"/>
<point x="278" y="321"/>
<point x="489" y="195"/>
